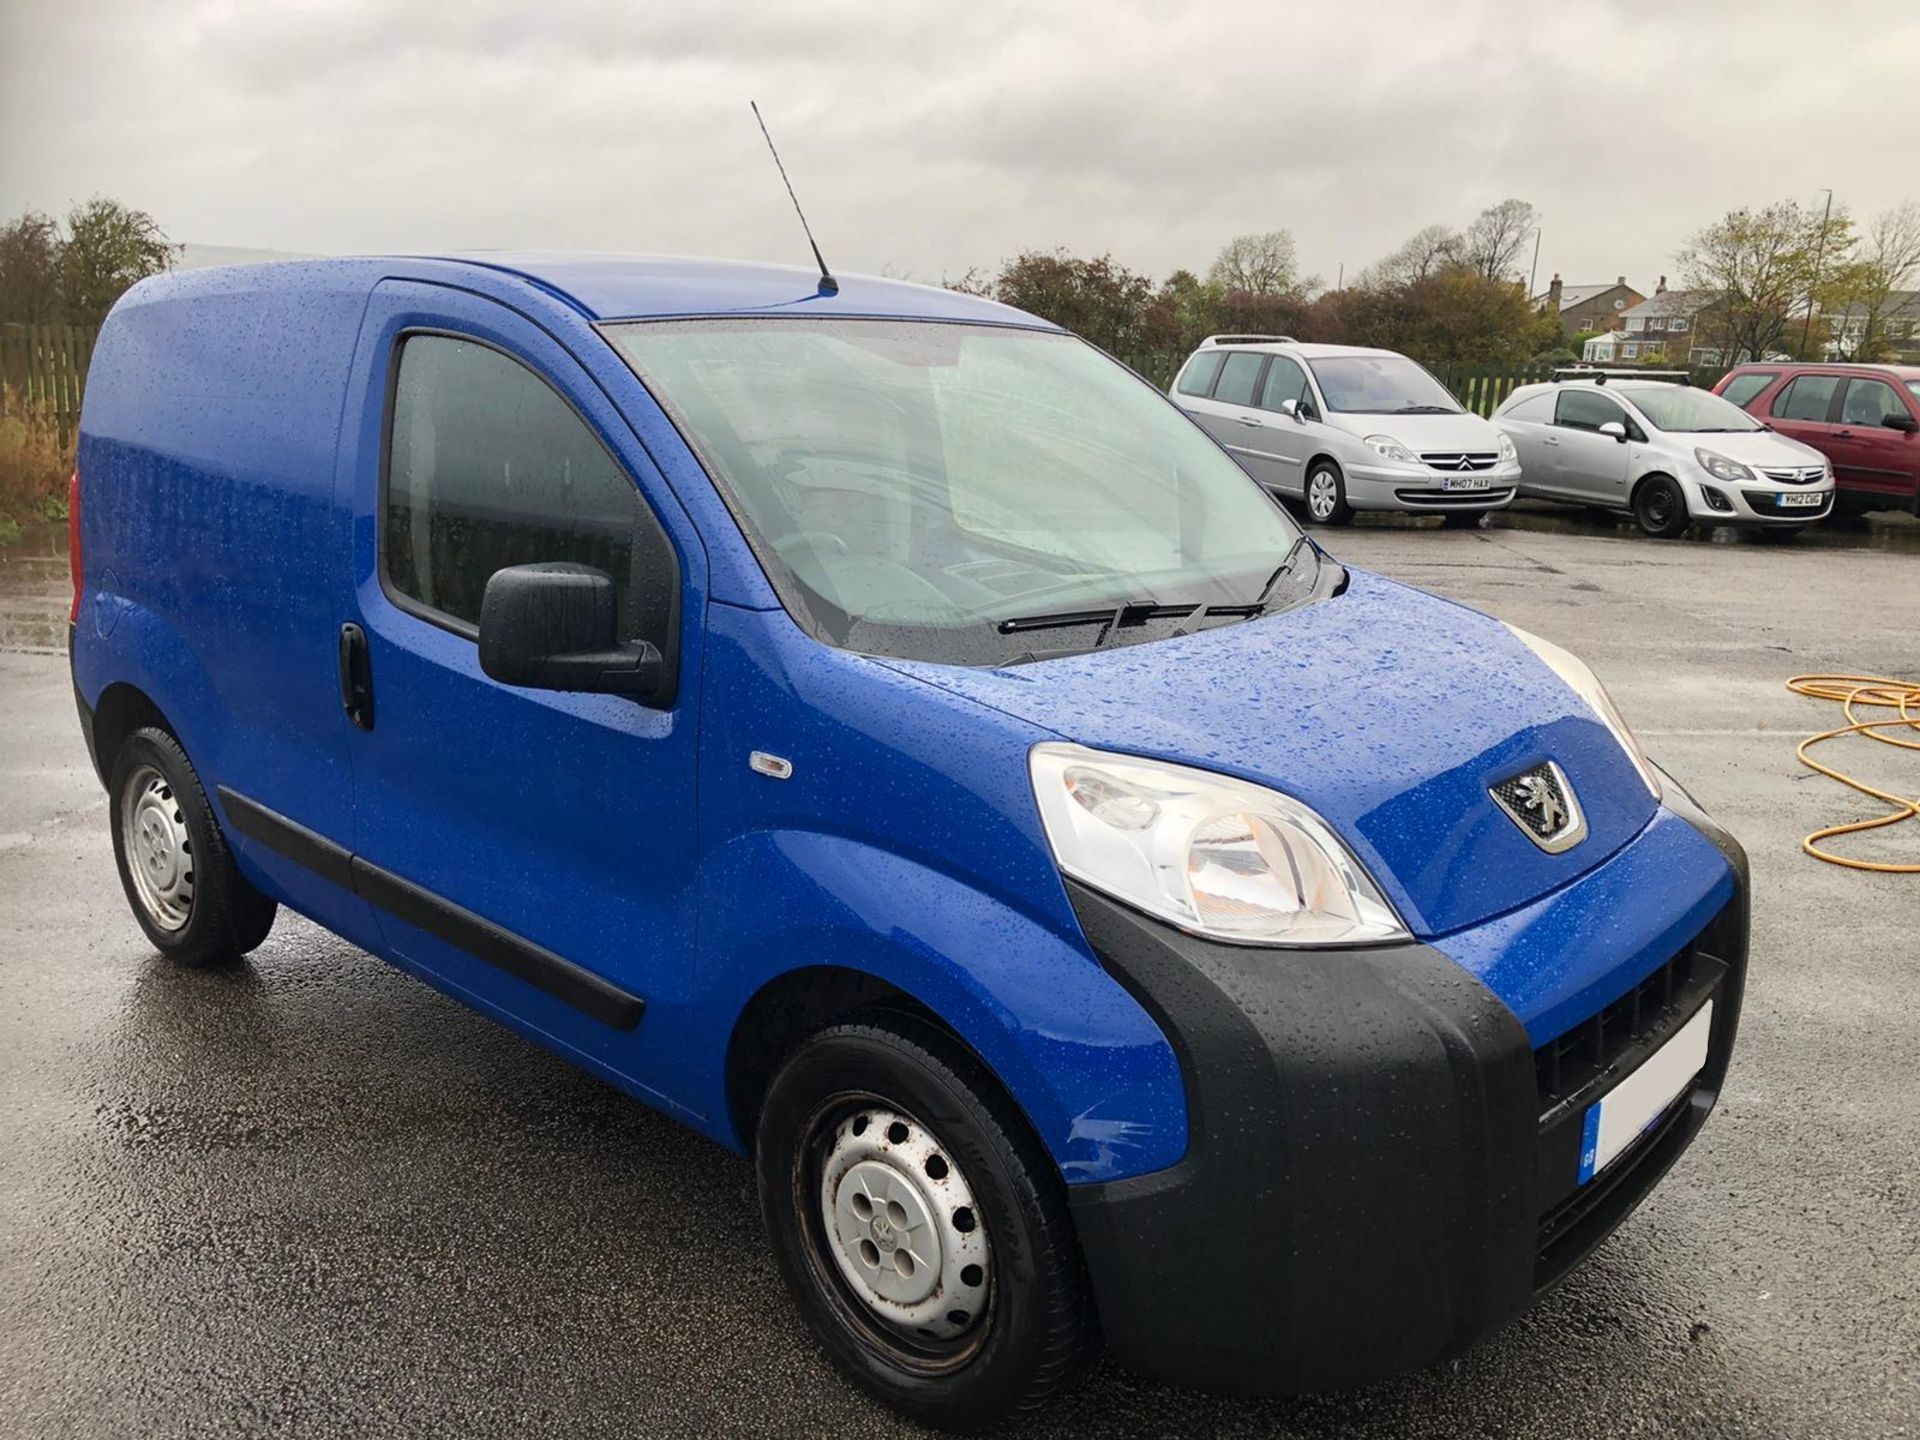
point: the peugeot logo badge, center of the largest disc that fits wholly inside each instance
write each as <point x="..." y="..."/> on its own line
<point x="1542" y="803"/>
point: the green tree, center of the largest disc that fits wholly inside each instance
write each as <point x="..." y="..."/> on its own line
<point x="1861" y="295"/>
<point x="30" y="270"/>
<point x="1758" y="270"/>
<point x="109" y="247"/>
<point x="1097" y="299"/>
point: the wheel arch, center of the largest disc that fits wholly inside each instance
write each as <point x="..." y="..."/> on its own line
<point x="123" y="708"/>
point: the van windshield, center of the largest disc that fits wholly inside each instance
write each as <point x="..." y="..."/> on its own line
<point x="1381" y="385"/>
<point x="970" y="494"/>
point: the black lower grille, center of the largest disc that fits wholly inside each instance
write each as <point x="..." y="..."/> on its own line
<point x="1453" y="497"/>
<point x="1566" y="1066"/>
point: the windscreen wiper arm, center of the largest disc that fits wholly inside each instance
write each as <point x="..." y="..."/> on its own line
<point x="1112" y="617"/>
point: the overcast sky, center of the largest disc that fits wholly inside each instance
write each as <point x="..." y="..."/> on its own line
<point x="926" y="138"/>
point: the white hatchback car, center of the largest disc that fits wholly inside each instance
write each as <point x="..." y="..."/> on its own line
<point x="1343" y="428"/>
<point x="1667" y="453"/>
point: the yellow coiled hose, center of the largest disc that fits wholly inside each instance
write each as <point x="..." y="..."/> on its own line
<point x="1856" y="693"/>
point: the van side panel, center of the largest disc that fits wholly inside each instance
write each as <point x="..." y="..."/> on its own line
<point x="217" y="560"/>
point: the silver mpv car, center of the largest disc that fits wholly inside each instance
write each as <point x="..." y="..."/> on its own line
<point x="1671" y="455"/>
<point x="1343" y="428"/>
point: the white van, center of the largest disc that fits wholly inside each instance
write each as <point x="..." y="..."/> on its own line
<point x="1345" y="428"/>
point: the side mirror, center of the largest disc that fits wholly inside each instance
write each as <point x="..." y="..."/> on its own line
<point x="555" y="627"/>
<point x="1901" y="422"/>
<point x="1290" y="409"/>
<point x="1616" y="430"/>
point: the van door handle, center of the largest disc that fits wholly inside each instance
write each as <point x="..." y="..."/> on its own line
<point x="1250" y="420"/>
<point x="1550" y="440"/>
<point x="356" y="676"/>
<point x="1843" y="434"/>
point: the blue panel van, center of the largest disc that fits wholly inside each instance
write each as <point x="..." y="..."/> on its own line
<point x="874" y="727"/>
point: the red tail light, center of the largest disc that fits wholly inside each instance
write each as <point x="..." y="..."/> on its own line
<point x="73" y="545"/>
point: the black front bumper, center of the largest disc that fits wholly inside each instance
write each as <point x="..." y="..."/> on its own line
<point x="1377" y="1171"/>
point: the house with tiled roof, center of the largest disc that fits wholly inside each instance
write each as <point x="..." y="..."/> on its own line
<point x="1588" y="307"/>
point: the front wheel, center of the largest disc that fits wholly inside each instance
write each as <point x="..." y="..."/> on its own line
<point x="1327" y="495"/>
<point x="1660" y="508"/>
<point x="920" y="1226"/>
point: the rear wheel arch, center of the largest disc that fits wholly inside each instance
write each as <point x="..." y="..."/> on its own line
<point x="123" y="709"/>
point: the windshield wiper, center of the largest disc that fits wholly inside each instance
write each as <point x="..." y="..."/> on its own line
<point x="1424" y="410"/>
<point x="1112" y="617"/>
<point x="1138" y="612"/>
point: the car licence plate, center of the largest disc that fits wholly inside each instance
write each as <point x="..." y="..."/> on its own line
<point x="1806" y="499"/>
<point x="1464" y="482"/>
<point x="1625" y="1113"/>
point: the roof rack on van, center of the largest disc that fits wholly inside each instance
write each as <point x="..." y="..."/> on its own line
<point x="1600" y="376"/>
<point x="1248" y="340"/>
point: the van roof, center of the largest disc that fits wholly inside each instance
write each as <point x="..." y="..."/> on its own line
<point x="631" y="287"/>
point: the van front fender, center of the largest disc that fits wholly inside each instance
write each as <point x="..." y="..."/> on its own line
<point x="1093" y="1073"/>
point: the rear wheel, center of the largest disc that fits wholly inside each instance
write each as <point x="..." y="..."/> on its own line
<point x="1327" y="495"/>
<point x="186" y="892"/>
<point x="1660" y="508"/>
<point x="920" y="1226"/>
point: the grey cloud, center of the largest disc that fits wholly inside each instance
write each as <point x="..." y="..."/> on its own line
<point x="926" y="138"/>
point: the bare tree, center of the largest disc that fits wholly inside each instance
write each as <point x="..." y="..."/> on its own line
<point x="1759" y="267"/>
<point x="1257" y="264"/>
<point x="1497" y="238"/>
<point x="109" y="247"/>
<point x="1424" y="253"/>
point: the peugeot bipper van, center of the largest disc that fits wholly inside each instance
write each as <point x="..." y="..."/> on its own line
<point x="876" y="728"/>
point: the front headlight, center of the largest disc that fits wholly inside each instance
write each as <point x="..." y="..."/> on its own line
<point x="1388" y="448"/>
<point x="1508" y="455"/>
<point x="1213" y="855"/>
<point x="1720" y="467"/>
<point x="1584" y="683"/>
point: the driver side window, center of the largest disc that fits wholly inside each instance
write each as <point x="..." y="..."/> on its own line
<point x="1585" y="410"/>
<point x="488" y="467"/>
<point x="1285" y="381"/>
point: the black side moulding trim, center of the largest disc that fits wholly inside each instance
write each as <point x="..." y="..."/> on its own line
<point x="478" y="936"/>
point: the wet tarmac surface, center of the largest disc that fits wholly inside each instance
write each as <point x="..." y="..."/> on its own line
<point x="312" y="1196"/>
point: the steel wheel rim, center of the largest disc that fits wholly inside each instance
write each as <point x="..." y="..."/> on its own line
<point x="157" y="848"/>
<point x="896" y="1234"/>
<point x="1321" y="495"/>
<point x="1660" y="506"/>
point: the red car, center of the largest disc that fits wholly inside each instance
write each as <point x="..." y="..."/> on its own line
<point x="1863" y="418"/>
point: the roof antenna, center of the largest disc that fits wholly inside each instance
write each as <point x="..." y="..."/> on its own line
<point x="828" y="285"/>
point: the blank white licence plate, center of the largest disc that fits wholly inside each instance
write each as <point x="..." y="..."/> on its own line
<point x="1622" y="1115"/>
<point x="1807" y="499"/>
<point x="1464" y="482"/>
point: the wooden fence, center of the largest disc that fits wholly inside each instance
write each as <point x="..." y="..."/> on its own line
<point x="43" y="370"/>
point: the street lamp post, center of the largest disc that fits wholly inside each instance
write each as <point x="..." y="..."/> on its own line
<point x="1819" y="254"/>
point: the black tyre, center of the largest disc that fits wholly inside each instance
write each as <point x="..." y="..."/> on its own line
<point x="180" y="879"/>
<point x="1327" y="495"/>
<point x="1660" y="508"/>
<point x="920" y="1226"/>
<point x="1463" y="519"/>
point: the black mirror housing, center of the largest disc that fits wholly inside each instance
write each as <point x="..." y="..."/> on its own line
<point x="1901" y="422"/>
<point x="556" y="626"/>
